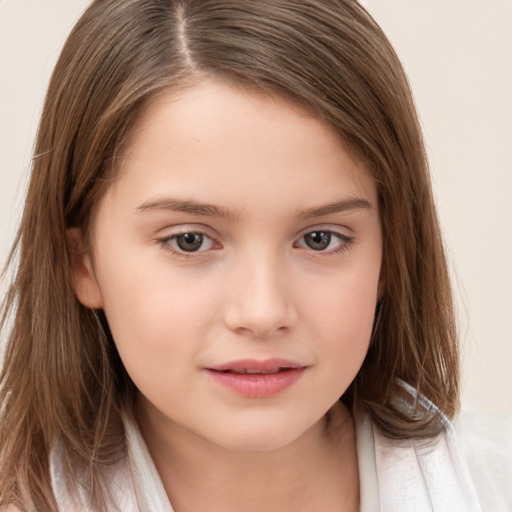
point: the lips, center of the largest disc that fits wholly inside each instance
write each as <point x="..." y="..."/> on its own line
<point x="257" y="379"/>
<point x="248" y="371"/>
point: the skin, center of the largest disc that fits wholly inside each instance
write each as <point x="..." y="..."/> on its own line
<point x="255" y="289"/>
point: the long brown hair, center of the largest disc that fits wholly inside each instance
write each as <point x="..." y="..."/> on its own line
<point x="62" y="377"/>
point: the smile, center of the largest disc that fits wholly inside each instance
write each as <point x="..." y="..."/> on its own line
<point x="257" y="379"/>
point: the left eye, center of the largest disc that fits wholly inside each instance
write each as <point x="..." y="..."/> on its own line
<point x="190" y="242"/>
<point x="322" y="240"/>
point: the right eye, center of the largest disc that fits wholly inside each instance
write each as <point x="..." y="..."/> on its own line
<point x="187" y="243"/>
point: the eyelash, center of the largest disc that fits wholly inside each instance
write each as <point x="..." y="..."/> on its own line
<point x="344" y="239"/>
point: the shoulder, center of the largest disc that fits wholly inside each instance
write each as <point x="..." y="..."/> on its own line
<point x="486" y="440"/>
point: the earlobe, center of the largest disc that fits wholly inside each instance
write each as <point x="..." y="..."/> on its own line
<point x="85" y="283"/>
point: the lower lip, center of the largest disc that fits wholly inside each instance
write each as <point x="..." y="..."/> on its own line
<point x="257" y="385"/>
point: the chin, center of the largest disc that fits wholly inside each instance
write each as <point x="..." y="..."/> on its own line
<point x="262" y="437"/>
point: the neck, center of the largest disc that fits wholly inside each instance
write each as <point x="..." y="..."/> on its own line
<point x="317" y="471"/>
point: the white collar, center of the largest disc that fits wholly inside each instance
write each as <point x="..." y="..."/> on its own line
<point x="412" y="475"/>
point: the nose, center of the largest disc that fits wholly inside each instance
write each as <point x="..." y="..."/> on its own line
<point x="261" y="299"/>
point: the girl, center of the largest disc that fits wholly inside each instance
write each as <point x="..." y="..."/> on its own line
<point x="231" y="286"/>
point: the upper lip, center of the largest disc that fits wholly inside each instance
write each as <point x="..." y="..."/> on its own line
<point x="265" y="365"/>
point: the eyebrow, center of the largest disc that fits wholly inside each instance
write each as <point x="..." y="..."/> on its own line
<point x="336" y="207"/>
<point x="210" y="210"/>
<point x="192" y="207"/>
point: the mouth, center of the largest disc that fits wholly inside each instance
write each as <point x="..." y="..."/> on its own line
<point x="274" y="365"/>
<point x="249" y="371"/>
<point x="257" y="379"/>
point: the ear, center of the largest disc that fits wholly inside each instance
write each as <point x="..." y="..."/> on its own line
<point x="85" y="283"/>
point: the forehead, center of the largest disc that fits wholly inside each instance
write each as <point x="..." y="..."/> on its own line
<point x="234" y="143"/>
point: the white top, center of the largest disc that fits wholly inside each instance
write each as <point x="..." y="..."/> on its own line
<point x="439" y="475"/>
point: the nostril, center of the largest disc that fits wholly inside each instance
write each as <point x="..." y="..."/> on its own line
<point x="261" y="332"/>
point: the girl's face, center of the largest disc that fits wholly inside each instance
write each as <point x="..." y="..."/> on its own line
<point x="237" y="258"/>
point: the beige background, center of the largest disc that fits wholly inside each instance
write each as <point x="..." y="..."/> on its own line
<point x="458" y="54"/>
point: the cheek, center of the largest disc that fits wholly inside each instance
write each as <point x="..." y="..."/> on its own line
<point x="347" y="321"/>
<point x="157" y="317"/>
<point x="344" y="302"/>
<point x="341" y="314"/>
<point x="347" y="343"/>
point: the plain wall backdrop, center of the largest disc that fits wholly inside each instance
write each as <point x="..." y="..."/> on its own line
<point x="458" y="55"/>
